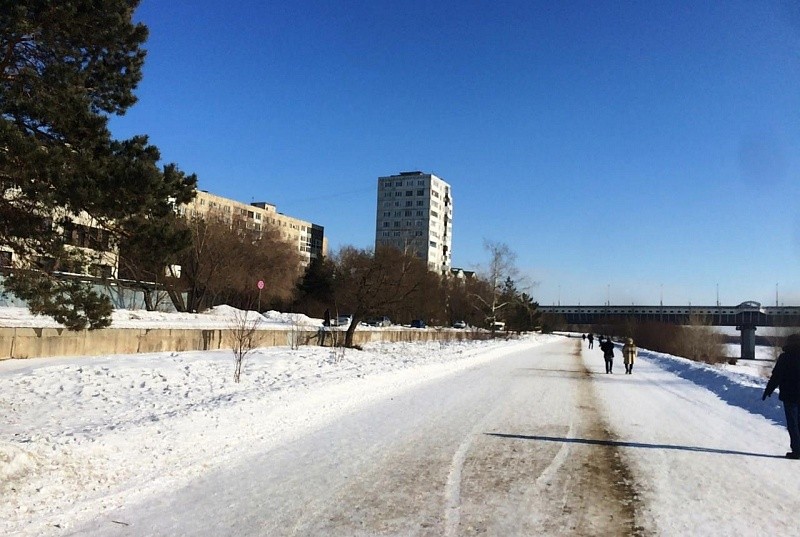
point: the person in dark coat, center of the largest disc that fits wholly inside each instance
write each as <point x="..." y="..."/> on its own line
<point x="591" y="341"/>
<point x="786" y="377"/>
<point x="607" y="346"/>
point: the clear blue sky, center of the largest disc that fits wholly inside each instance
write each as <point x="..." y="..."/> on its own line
<point x="623" y="152"/>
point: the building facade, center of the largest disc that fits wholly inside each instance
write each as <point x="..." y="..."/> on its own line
<point x="308" y="238"/>
<point x="415" y="212"/>
<point x="83" y="234"/>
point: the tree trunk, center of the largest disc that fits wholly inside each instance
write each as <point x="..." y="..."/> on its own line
<point x="348" y="336"/>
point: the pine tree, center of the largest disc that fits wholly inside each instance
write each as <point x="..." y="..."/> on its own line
<point x="65" y="66"/>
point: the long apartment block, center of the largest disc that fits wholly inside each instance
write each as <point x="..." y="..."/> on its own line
<point x="309" y="238"/>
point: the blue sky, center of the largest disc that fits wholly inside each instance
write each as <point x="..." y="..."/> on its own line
<point x="627" y="152"/>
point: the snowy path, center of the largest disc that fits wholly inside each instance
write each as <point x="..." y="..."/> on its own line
<point x="416" y="463"/>
<point x="438" y="459"/>
<point x="517" y="439"/>
<point x="700" y="466"/>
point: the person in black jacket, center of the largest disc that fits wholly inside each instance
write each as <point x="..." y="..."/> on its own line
<point x="607" y="346"/>
<point x="786" y="377"/>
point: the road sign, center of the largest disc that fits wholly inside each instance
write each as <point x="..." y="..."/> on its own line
<point x="260" y="284"/>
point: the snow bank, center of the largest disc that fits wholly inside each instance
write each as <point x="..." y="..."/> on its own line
<point x="219" y="317"/>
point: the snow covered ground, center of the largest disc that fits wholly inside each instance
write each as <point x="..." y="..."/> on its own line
<point x="83" y="436"/>
<point x="219" y="317"/>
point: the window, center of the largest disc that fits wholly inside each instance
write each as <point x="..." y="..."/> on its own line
<point x="409" y="203"/>
<point x="420" y="203"/>
<point x="100" y="271"/>
<point x="397" y="223"/>
<point x="409" y="192"/>
<point x="398" y="194"/>
<point x="421" y="183"/>
<point x="386" y="224"/>
<point x="420" y="192"/>
<point x="419" y="213"/>
<point x="434" y="214"/>
<point x="398" y="183"/>
<point x="408" y="213"/>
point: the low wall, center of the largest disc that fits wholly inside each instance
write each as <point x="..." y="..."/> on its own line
<point x="41" y="342"/>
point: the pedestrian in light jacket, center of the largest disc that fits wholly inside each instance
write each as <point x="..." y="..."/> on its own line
<point x="629" y="352"/>
<point x="786" y="377"/>
<point x="607" y="346"/>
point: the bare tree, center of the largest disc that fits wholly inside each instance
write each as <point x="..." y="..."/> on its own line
<point x="227" y="258"/>
<point x="501" y="268"/>
<point x="368" y="283"/>
<point x="244" y="335"/>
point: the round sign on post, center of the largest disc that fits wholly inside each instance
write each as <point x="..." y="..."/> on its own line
<point x="260" y="286"/>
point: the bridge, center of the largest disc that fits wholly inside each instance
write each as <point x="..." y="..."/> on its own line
<point x="746" y="317"/>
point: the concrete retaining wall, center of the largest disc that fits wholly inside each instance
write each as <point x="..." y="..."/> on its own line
<point x="41" y="342"/>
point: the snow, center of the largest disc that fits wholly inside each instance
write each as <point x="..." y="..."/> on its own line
<point x="219" y="317"/>
<point x="85" y="435"/>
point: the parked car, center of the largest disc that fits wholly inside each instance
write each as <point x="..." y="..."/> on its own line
<point x="380" y="321"/>
<point x="459" y="324"/>
<point x="418" y="323"/>
<point x="344" y="320"/>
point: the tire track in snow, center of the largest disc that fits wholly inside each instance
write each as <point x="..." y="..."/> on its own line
<point x="452" y="513"/>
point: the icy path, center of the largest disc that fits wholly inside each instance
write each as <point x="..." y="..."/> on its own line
<point x="495" y="439"/>
<point x="701" y="466"/>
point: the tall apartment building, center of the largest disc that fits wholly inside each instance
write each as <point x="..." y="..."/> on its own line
<point x="307" y="237"/>
<point x="415" y="211"/>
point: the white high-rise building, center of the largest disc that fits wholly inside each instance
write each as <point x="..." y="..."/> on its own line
<point x="415" y="212"/>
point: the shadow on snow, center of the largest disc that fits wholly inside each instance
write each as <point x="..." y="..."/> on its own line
<point x="617" y="443"/>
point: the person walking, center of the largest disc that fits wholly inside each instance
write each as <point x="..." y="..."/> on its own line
<point x="591" y="341"/>
<point x="629" y="352"/>
<point x="786" y="377"/>
<point x="607" y="346"/>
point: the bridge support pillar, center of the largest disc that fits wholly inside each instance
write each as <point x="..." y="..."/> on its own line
<point x="748" y="342"/>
